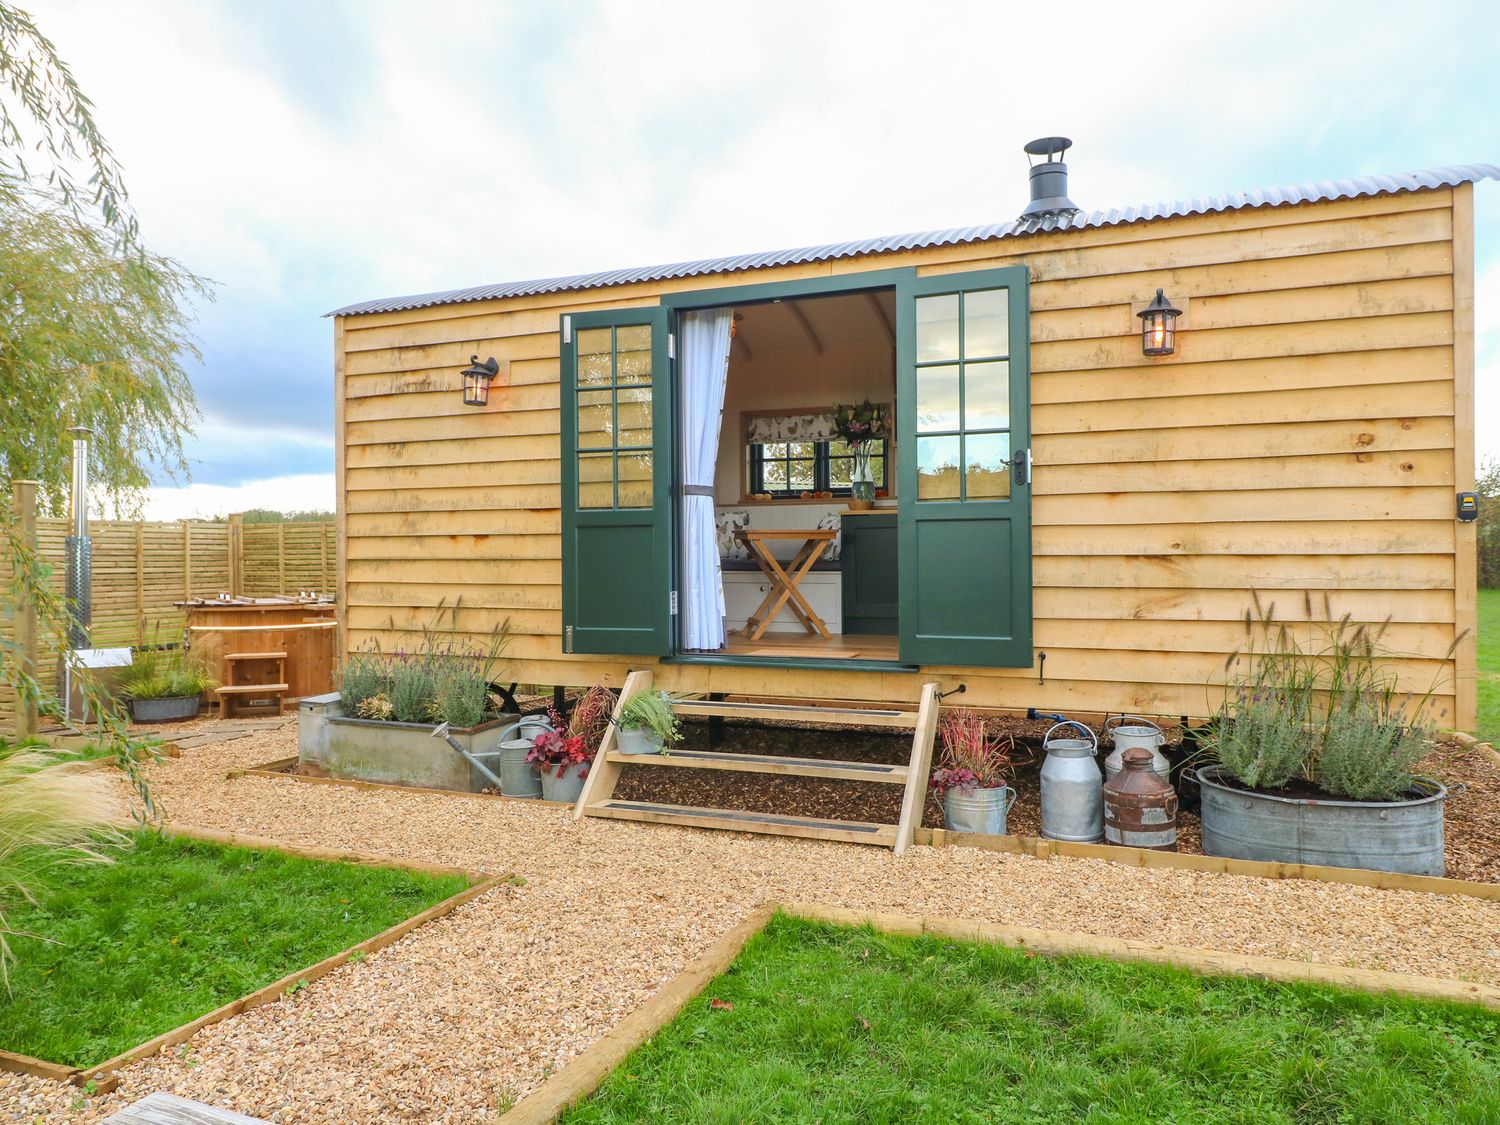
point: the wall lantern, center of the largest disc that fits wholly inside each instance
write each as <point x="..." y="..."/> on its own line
<point x="1159" y="326"/>
<point x="477" y="379"/>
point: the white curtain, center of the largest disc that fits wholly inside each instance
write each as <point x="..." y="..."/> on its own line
<point x="705" y="369"/>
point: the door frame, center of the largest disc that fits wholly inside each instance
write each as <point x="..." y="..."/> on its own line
<point x="761" y="293"/>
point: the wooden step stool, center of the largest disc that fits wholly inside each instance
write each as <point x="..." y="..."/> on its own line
<point x="238" y="687"/>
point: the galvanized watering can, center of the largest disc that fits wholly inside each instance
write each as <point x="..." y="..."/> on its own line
<point x="1072" y="788"/>
<point x="1133" y="731"/>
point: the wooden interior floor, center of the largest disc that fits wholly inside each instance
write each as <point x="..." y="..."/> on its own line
<point x="801" y="644"/>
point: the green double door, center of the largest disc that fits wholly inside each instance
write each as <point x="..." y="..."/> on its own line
<point x="963" y="429"/>
<point x="962" y="446"/>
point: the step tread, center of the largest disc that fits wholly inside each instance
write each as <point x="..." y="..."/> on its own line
<point x="769" y="763"/>
<point x="744" y="821"/>
<point x="255" y="656"/>
<point x="242" y="689"/>
<point x="839" y="716"/>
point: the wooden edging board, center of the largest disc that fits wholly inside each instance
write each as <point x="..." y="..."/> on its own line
<point x="103" y="1073"/>
<point x="1040" y="848"/>
<point x="276" y="770"/>
<point x="584" y="1074"/>
<point x="580" y="1077"/>
<point x="1469" y="742"/>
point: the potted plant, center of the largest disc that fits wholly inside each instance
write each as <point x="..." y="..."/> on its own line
<point x="564" y="754"/>
<point x="1311" y="758"/>
<point x="647" y="724"/>
<point x="379" y="725"/>
<point x="164" y="684"/>
<point x="974" y="773"/>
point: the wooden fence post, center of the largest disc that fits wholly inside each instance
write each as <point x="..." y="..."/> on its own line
<point x="187" y="561"/>
<point x="236" y="549"/>
<point x="281" y="558"/>
<point x="324" y="585"/>
<point x="140" y="579"/>
<point x="23" y="497"/>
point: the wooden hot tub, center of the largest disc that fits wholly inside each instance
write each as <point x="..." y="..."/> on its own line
<point x="305" y="630"/>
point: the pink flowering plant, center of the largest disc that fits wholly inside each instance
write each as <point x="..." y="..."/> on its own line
<point x="972" y="757"/>
<point x="574" y="741"/>
<point x="859" y="424"/>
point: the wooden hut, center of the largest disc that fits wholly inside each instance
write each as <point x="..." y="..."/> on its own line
<point x="1062" y="521"/>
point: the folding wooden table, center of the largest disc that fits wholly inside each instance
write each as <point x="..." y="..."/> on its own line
<point x="784" y="582"/>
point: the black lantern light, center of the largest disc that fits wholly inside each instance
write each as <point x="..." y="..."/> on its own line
<point x="1159" y="326"/>
<point x="477" y="379"/>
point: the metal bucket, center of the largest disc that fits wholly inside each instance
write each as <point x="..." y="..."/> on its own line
<point x="1133" y="731"/>
<point x="1072" y="788"/>
<point x="165" y="708"/>
<point x="518" y="776"/>
<point x="1403" y="836"/>
<point x="642" y="740"/>
<point x="567" y="788"/>
<point x="977" y="810"/>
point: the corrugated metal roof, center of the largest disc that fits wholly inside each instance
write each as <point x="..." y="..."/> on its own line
<point x="1266" y="197"/>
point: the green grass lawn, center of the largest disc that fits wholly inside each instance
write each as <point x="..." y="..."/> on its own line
<point x="173" y="929"/>
<point x="1489" y="666"/>
<point x="832" y="1025"/>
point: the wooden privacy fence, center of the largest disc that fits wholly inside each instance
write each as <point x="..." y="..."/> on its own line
<point x="142" y="568"/>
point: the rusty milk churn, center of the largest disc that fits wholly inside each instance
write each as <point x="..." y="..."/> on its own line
<point x="1132" y="730"/>
<point x="1072" y="788"/>
<point x="1140" y="809"/>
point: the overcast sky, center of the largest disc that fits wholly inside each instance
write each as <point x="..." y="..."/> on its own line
<point x="308" y="154"/>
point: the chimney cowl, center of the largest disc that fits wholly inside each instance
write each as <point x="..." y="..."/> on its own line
<point x="1049" y="180"/>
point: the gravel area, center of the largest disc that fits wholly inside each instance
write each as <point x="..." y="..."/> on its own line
<point x="476" y="1009"/>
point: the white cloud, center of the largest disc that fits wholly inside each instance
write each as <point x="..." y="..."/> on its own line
<point x="308" y="492"/>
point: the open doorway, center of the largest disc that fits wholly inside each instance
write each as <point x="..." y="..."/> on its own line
<point x="802" y="574"/>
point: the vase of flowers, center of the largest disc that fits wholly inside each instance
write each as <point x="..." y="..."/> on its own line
<point x="564" y="754"/>
<point x="860" y="427"/>
<point x="972" y="780"/>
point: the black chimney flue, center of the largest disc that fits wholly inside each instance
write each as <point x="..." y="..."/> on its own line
<point x="1049" y="180"/>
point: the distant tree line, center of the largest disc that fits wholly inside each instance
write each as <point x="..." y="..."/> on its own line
<point x="1488" y="487"/>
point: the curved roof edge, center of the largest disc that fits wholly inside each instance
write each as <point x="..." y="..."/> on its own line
<point x="1320" y="190"/>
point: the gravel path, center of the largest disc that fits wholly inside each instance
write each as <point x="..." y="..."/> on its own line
<point x="472" y="1011"/>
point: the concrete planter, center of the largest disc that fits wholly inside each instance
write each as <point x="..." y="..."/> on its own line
<point x="337" y="745"/>
<point x="166" y="709"/>
<point x="1402" y="836"/>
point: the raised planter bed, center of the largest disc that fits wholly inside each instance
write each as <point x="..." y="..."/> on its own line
<point x="332" y="744"/>
<point x="1401" y="836"/>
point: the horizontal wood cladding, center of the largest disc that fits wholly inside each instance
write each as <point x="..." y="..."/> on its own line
<point x="1301" y="444"/>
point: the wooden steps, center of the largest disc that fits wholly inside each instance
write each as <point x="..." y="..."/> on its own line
<point x="250" y="689"/>
<point x="597" y="798"/>
<point x="851" y="831"/>
<point x="840" y="716"/>
<point x="767" y="763"/>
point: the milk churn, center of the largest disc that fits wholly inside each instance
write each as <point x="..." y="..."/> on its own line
<point x="1072" y="789"/>
<point x="1140" y="809"/>
<point x="1132" y="730"/>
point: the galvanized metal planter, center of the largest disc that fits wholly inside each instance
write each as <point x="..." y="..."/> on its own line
<point x="640" y="740"/>
<point x="340" y="745"/>
<point x="567" y="788"/>
<point x="166" y="709"/>
<point x="977" y="810"/>
<point x="1403" y="836"/>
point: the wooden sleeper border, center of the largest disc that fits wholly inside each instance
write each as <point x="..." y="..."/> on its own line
<point x="586" y="1072"/>
<point x="103" y="1074"/>
<point x="277" y="771"/>
<point x="1040" y="848"/>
